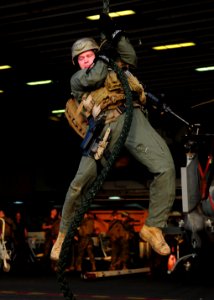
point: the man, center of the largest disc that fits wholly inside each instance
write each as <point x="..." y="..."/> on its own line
<point x="98" y="89"/>
<point x="85" y="242"/>
<point x="50" y="226"/>
<point x="119" y="239"/>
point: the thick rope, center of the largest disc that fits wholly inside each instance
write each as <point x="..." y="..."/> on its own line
<point x="106" y="6"/>
<point x="79" y="214"/>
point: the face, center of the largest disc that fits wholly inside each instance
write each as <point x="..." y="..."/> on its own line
<point x="53" y="213"/>
<point x="18" y="215"/>
<point x="2" y="214"/>
<point x="85" y="59"/>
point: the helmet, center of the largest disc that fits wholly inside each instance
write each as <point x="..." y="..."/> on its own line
<point x="82" y="45"/>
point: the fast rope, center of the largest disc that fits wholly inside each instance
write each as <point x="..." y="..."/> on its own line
<point x="79" y="214"/>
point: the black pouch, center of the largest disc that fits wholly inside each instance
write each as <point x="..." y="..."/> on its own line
<point x="92" y="135"/>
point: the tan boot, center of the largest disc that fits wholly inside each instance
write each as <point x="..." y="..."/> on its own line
<point x="154" y="237"/>
<point x="56" y="249"/>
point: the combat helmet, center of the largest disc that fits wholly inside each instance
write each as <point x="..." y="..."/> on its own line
<point x="82" y="45"/>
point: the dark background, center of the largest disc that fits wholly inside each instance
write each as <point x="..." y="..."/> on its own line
<point x="40" y="152"/>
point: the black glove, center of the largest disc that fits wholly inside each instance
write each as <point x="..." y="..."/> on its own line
<point x="107" y="51"/>
<point x="109" y="28"/>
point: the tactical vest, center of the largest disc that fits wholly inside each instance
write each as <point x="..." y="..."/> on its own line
<point x="109" y="99"/>
<point x="112" y="94"/>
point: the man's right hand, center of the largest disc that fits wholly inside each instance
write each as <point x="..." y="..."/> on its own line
<point x="107" y="51"/>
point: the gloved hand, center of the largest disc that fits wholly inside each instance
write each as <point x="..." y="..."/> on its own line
<point x="109" y="28"/>
<point x="107" y="51"/>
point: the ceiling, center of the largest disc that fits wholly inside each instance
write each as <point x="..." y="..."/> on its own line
<point x="36" y="38"/>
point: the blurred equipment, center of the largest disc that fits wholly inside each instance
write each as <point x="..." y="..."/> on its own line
<point x="4" y="253"/>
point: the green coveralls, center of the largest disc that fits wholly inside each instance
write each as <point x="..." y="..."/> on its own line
<point x="143" y="142"/>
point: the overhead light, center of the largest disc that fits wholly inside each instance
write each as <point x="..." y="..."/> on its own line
<point x="114" y="198"/>
<point x="204" y="69"/>
<point x="58" y="111"/>
<point x="1" y="91"/>
<point x="18" y="202"/>
<point x="115" y="14"/>
<point x="4" y="67"/>
<point x="39" y="82"/>
<point x="173" y="46"/>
